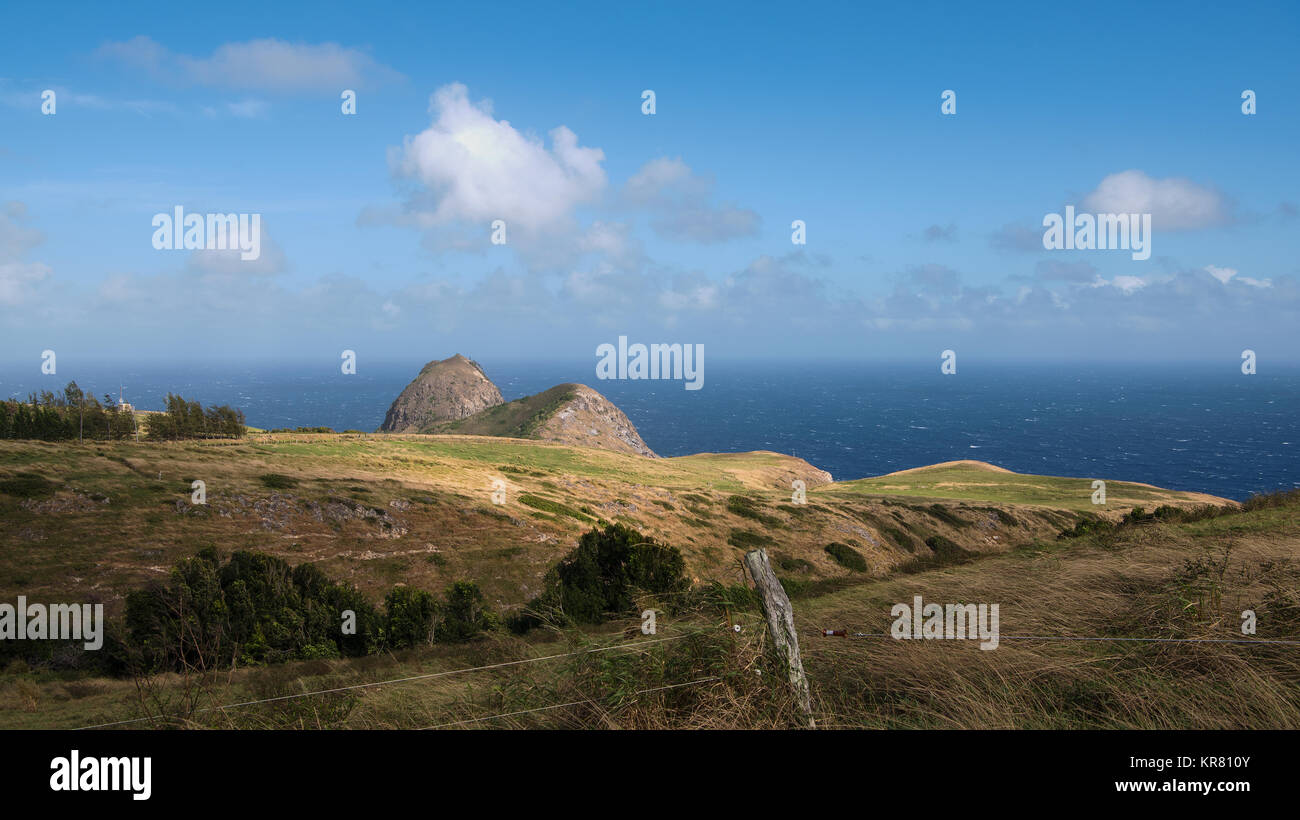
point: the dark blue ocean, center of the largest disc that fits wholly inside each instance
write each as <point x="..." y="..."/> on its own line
<point x="1185" y="427"/>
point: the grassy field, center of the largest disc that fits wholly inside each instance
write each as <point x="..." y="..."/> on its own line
<point x="381" y="509"/>
<point x="90" y="522"/>
<point x="975" y="481"/>
<point x="1181" y="583"/>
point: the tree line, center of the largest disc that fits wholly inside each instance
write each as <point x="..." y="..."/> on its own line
<point x="257" y="609"/>
<point x="75" y="414"/>
<point x="188" y="419"/>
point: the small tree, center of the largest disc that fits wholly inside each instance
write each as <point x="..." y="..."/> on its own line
<point x="464" y="614"/>
<point x="603" y="574"/>
<point x="409" y="617"/>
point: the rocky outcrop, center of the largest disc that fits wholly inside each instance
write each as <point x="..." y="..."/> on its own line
<point x="454" y="396"/>
<point x="588" y="419"/>
<point x="448" y="390"/>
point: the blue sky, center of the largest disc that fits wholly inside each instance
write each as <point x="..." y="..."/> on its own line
<point x="923" y="230"/>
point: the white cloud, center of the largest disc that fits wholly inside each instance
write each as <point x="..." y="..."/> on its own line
<point x="1128" y="284"/>
<point x="1222" y="274"/>
<point x="690" y="297"/>
<point x="17" y="279"/>
<point x="1225" y="275"/>
<point x="1174" y="203"/>
<point x="660" y="181"/>
<point x="268" y="64"/>
<point x="614" y="243"/>
<point x="476" y="169"/>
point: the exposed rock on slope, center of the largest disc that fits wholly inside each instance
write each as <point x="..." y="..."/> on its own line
<point x="589" y="419"/>
<point x="454" y="396"/>
<point x="447" y="390"/>
<point x="567" y="413"/>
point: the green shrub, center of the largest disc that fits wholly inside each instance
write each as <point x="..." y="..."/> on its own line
<point x="28" y="485"/>
<point x="946" y="516"/>
<point x="847" y="557"/>
<point x="409" y="617"/>
<point x="253" y="609"/>
<point x="464" y="614"/>
<point x="275" y="481"/>
<point x="1006" y="518"/>
<point x="747" y="507"/>
<point x="943" y="547"/>
<point x="603" y="574"/>
<point x="789" y="564"/>
<point x="900" y="538"/>
<point x="1087" y="526"/>
<point x="547" y="505"/>
<point x="747" y="540"/>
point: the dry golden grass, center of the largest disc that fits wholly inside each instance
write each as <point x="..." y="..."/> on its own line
<point x="437" y="490"/>
<point x="1160" y="581"/>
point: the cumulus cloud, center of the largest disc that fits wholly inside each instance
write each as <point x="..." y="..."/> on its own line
<point x="1174" y="203"/>
<point x="473" y="168"/>
<point x="268" y="64"/>
<point x="681" y="201"/>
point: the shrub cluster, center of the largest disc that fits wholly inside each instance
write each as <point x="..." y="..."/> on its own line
<point x="847" y="557"/>
<point x="257" y="609"/>
<point x="1138" y="516"/>
<point x="602" y="576"/>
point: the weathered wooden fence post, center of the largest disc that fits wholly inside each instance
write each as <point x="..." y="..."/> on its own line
<point x="780" y="622"/>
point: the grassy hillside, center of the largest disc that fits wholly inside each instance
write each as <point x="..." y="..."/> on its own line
<point x="977" y="481"/>
<point x="376" y="510"/>
<point x="514" y="419"/>
<point x="90" y="522"/>
<point x="1176" y="587"/>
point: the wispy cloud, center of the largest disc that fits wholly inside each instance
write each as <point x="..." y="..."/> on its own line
<point x="681" y="201"/>
<point x="265" y="64"/>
